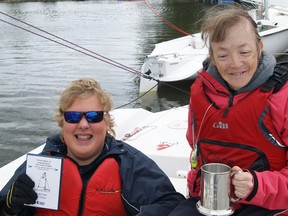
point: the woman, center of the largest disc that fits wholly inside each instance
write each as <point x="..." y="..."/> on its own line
<point x="100" y="176"/>
<point x="238" y="115"/>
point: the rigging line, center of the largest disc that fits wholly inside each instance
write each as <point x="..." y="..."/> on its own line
<point x="68" y="41"/>
<point x="165" y="20"/>
<point x="137" y="97"/>
<point x="181" y="90"/>
<point x="142" y="95"/>
<point x="81" y="51"/>
<point x="104" y="59"/>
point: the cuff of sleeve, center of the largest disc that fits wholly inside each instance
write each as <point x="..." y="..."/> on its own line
<point x="255" y="186"/>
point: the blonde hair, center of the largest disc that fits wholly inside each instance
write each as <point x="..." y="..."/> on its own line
<point x="220" y="18"/>
<point x="85" y="87"/>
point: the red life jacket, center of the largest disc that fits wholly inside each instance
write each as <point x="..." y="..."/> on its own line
<point x="244" y="137"/>
<point x="101" y="197"/>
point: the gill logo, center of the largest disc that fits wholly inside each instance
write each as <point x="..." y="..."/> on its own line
<point x="220" y="125"/>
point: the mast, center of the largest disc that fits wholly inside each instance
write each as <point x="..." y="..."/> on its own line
<point x="266" y="10"/>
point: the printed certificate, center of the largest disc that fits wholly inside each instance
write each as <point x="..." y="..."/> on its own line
<point x="46" y="173"/>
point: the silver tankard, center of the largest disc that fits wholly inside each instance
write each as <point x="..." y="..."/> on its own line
<point x="215" y="194"/>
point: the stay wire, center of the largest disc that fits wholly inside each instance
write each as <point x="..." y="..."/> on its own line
<point x="165" y="20"/>
<point x="137" y="97"/>
<point x="114" y="63"/>
<point x="100" y="57"/>
<point x="78" y="50"/>
<point x="84" y="51"/>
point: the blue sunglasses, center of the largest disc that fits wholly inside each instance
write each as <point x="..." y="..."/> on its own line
<point x="91" y="117"/>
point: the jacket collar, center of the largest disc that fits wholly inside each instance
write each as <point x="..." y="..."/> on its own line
<point x="55" y="145"/>
<point x="265" y="69"/>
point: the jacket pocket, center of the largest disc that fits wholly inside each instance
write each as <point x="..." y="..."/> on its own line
<point x="233" y="154"/>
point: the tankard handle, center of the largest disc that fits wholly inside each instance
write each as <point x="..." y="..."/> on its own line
<point x="233" y="199"/>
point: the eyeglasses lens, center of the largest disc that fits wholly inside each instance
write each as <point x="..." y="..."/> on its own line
<point x="91" y="117"/>
<point x="94" y="117"/>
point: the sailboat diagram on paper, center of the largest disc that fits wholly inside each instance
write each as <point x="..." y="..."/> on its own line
<point x="43" y="183"/>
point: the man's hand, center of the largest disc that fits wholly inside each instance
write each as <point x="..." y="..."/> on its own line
<point x="21" y="192"/>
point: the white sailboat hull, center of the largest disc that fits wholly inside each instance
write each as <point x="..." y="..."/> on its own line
<point x="181" y="58"/>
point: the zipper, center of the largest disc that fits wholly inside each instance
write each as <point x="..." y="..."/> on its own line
<point x="85" y="184"/>
<point x="262" y="156"/>
<point x="82" y="199"/>
<point x="253" y="166"/>
<point x="230" y="103"/>
<point x="84" y="187"/>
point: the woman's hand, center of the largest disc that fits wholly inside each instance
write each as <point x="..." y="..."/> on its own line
<point x="242" y="182"/>
<point x="21" y="192"/>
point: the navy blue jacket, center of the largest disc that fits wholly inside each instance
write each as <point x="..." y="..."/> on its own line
<point x="146" y="189"/>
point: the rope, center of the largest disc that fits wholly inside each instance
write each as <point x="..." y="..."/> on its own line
<point x="85" y="51"/>
<point x="165" y="20"/>
<point x="138" y="97"/>
<point x="97" y="56"/>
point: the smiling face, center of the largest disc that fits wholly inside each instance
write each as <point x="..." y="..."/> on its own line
<point x="85" y="140"/>
<point x="237" y="56"/>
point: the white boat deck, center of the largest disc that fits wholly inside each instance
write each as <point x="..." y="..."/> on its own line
<point x="174" y="59"/>
<point x="161" y="136"/>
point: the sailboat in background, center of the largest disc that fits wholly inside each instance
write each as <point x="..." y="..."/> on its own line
<point x="162" y="135"/>
<point x="180" y="59"/>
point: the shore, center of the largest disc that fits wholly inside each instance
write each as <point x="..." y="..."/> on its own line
<point x="18" y="1"/>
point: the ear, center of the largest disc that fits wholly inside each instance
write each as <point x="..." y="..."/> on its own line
<point x="260" y="45"/>
<point x="107" y="120"/>
<point x="211" y="55"/>
<point x="212" y="60"/>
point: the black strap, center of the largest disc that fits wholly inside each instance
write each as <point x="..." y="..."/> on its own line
<point x="278" y="79"/>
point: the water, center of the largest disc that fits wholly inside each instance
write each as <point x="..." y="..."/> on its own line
<point x="35" y="70"/>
